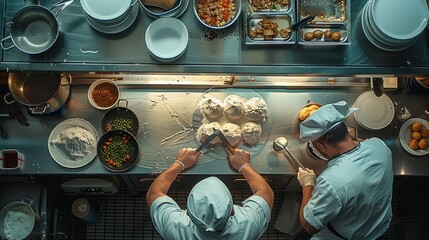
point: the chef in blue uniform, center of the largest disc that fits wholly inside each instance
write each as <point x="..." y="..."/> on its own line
<point x="351" y="198"/>
<point x="210" y="212"/>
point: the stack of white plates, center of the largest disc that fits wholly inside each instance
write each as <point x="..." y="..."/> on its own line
<point x="394" y="25"/>
<point x="176" y="11"/>
<point x="110" y="16"/>
<point x="166" y="39"/>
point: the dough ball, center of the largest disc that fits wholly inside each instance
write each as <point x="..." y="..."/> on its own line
<point x="232" y="133"/>
<point x="423" y="143"/>
<point x="205" y="130"/>
<point x="416" y="135"/>
<point x="415" y="127"/>
<point x="255" y="110"/>
<point x="211" y="108"/>
<point x="413" y="144"/>
<point x="233" y="107"/>
<point x="251" y="133"/>
<point x="425" y="132"/>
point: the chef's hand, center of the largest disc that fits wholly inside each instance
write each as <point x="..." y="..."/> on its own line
<point x="188" y="157"/>
<point x="306" y="177"/>
<point x="239" y="158"/>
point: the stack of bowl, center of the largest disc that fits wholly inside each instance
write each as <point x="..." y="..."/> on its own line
<point x="166" y="39"/>
<point x="110" y="16"/>
<point x="394" y="25"/>
<point x="177" y="10"/>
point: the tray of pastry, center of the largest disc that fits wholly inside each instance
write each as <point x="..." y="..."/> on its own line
<point x="331" y="25"/>
<point x="269" y="29"/>
<point x="269" y="6"/>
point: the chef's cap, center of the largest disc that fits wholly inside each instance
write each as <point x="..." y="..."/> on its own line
<point x="210" y="204"/>
<point x="324" y="119"/>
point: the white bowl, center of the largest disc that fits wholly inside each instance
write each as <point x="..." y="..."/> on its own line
<point x="91" y="89"/>
<point x="166" y="38"/>
<point x="105" y="10"/>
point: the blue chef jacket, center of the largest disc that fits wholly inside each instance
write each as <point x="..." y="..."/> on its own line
<point x="354" y="193"/>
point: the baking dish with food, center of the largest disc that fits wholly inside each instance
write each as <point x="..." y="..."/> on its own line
<point x="331" y="25"/>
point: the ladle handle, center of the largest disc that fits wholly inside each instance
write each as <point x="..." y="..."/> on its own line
<point x="297" y="162"/>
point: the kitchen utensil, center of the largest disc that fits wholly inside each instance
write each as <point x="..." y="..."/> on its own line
<point x="405" y="136"/>
<point x="59" y="154"/>
<point x="374" y="112"/>
<point x="301" y="22"/>
<point x="115" y="118"/>
<point x="34" y="29"/>
<point x="217" y="133"/>
<point x="41" y="92"/>
<point x="280" y="144"/>
<point x="27" y="221"/>
<point x="14" y="110"/>
<point x="133" y="155"/>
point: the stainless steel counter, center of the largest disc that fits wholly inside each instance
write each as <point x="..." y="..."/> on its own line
<point x="155" y="108"/>
<point x="81" y="48"/>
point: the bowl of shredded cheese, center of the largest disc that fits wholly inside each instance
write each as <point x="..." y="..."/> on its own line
<point x="103" y="94"/>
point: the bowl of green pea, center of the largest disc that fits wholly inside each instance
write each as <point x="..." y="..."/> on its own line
<point x="121" y="118"/>
<point x="118" y="150"/>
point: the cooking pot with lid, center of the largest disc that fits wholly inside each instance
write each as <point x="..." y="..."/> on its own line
<point x="42" y="92"/>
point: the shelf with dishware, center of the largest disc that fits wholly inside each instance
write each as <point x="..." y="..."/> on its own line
<point x="86" y="44"/>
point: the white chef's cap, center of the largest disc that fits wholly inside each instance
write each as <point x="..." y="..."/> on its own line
<point x="210" y="204"/>
<point x="324" y="119"/>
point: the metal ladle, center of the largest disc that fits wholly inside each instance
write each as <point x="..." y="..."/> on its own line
<point x="281" y="144"/>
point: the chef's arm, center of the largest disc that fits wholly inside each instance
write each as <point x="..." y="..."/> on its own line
<point x="306" y="195"/>
<point x="240" y="160"/>
<point x="159" y="188"/>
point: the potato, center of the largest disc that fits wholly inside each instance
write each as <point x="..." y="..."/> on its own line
<point x="416" y="135"/>
<point x="415" y="127"/>
<point x="423" y="143"/>
<point x="318" y="34"/>
<point x="308" y="36"/>
<point x="413" y="144"/>
<point x="336" y="36"/>
<point x="328" y="34"/>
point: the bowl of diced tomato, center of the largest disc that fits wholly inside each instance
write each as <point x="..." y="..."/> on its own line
<point x="118" y="150"/>
<point x="217" y="14"/>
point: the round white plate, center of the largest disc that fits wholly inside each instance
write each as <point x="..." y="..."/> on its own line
<point x="405" y="136"/>
<point x="374" y="112"/>
<point x="116" y="28"/>
<point x="105" y="9"/>
<point x="60" y="156"/>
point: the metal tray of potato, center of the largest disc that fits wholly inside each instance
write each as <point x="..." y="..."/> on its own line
<point x="253" y="24"/>
<point x="333" y="15"/>
<point x="269" y="6"/>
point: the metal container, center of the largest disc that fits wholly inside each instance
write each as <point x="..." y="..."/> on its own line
<point x="26" y="227"/>
<point x="41" y="92"/>
<point x="87" y="210"/>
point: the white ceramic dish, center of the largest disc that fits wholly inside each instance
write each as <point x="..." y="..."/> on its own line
<point x="105" y="9"/>
<point x="231" y="22"/>
<point x="166" y="38"/>
<point x="374" y="112"/>
<point x="405" y="136"/>
<point x="91" y="88"/>
<point x="59" y="155"/>
<point x="117" y="27"/>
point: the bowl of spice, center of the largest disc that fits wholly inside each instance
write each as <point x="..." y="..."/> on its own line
<point x="103" y="94"/>
<point x="118" y="150"/>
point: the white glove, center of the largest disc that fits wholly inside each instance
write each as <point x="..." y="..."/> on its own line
<point x="306" y="177"/>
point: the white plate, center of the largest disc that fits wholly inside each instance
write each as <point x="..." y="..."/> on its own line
<point x="405" y="136"/>
<point x="374" y="112"/>
<point x="61" y="157"/>
<point x="105" y="9"/>
<point x="117" y="27"/>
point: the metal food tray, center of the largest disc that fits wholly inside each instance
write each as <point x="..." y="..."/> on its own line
<point x="284" y="17"/>
<point x="333" y="15"/>
<point x="274" y="7"/>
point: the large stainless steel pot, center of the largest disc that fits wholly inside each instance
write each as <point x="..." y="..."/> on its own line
<point x="42" y="92"/>
<point x="18" y="220"/>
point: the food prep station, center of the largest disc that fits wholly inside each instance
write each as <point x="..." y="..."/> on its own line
<point x="287" y="73"/>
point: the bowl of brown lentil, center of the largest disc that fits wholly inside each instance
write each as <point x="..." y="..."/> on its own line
<point x="217" y="14"/>
<point x="103" y="94"/>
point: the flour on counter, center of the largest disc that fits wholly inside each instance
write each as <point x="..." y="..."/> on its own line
<point x="403" y="113"/>
<point x="18" y="223"/>
<point x="77" y="141"/>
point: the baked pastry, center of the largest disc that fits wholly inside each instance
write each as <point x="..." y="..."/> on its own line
<point x="413" y="144"/>
<point x="251" y="133"/>
<point x="205" y="130"/>
<point x="423" y="143"/>
<point x="416" y="127"/>
<point x="416" y="135"/>
<point x="232" y="133"/>
<point x="306" y="111"/>
<point x="211" y="108"/>
<point x="255" y="110"/>
<point x="233" y="107"/>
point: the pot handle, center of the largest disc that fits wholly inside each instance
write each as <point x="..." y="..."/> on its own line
<point x="27" y="201"/>
<point x="34" y="109"/>
<point x="69" y="77"/>
<point x="6" y="101"/>
<point x="6" y="38"/>
<point x="124" y="100"/>
<point x="62" y="5"/>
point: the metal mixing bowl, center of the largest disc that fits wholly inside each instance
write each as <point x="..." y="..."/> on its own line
<point x="232" y="21"/>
